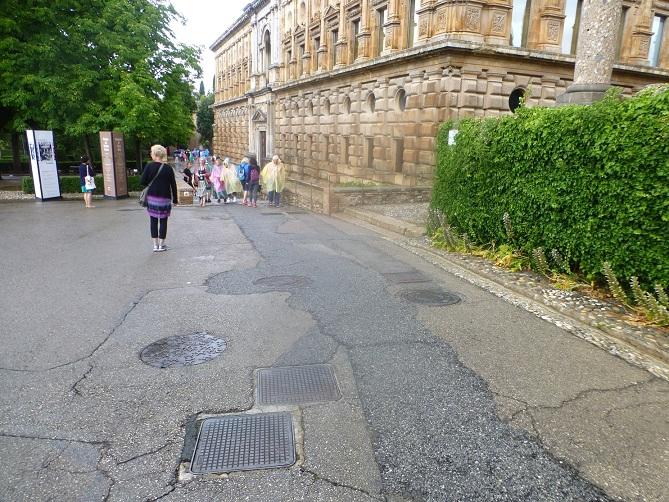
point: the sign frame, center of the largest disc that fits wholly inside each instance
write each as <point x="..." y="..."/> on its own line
<point x="42" y="151"/>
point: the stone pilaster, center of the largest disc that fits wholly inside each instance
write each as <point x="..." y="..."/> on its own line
<point x="641" y="33"/>
<point x="393" y="27"/>
<point x="596" y="51"/>
<point x="425" y="14"/>
<point x="497" y="22"/>
<point x="459" y="20"/>
<point x="550" y="26"/>
<point x="365" y="35"/>
<point x="342" y="43"/>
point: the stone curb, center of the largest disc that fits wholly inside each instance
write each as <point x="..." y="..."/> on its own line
<point x="635" y="351"/>
<point x="401" y="227"/>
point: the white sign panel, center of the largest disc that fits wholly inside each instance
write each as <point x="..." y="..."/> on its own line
<point x="43" y="162"/>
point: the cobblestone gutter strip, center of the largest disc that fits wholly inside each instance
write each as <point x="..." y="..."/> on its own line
<point x="643" y="347"/>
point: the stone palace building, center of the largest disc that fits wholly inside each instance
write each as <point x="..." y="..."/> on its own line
<point x="354" y="90"/>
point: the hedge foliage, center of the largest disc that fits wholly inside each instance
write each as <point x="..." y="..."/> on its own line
<point x="72" y="184"/>
<point x="589" y="181"/>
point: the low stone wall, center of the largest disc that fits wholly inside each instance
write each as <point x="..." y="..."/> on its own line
<point x="324" y="197"/>
<point x="307" y="195"/>
<point x="367" y="195"/>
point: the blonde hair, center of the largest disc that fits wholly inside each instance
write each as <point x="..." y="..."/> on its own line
<point x="159" y="151"/>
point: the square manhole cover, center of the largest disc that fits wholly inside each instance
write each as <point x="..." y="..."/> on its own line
<point x="406" y="277"/>
<point x="296" y="385"/>
<point x="244" y="443"/>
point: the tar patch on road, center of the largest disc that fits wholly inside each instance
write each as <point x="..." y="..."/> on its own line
<point x="243" y="443"/>
<point x="431" y="297"/>
<point x="296" y="385"/>
<point x="182" y="350"/>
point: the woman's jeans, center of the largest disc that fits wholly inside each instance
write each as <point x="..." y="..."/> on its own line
<point x="274" y="197"/>
<point x="253" y="190"/>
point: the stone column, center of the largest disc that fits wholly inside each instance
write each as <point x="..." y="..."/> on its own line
<point x="595" y="53"/>
<point x="365" y="35"/>
<point x="393" y="28"/>
<point x="342" y="43"/>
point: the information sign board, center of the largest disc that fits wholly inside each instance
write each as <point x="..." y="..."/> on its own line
<point x="43" y="163"/>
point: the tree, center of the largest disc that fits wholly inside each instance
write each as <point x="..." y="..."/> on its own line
<point x="202" y="88"/>
<point x="205" y="119"/>
<point x="79" y="67"/>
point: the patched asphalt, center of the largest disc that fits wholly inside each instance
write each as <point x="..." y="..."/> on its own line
<point x="449" y="402"/>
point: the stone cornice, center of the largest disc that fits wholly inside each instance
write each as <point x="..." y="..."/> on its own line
<point x="250" y="9"/>
<point x="459" y="46"/>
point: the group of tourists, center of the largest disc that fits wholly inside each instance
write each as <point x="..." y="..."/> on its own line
<point x="227" y="183"/>
<point x="222" y="181"/>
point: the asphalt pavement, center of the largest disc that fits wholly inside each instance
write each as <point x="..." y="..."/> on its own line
<point x="475" y="400"/>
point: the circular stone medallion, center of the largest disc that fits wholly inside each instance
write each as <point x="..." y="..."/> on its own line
<point x="182" y="350"/>
<point x="282" y="281"/>
<point x="430" y="297"/>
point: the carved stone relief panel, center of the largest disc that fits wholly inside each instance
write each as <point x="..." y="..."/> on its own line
<point x="498" y="22"/>
<point x="472" y="18"/>
<point x="553" y="31"/>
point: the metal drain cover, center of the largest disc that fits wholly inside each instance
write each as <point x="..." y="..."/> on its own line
<point x="182" y="350"/>
<point x="406" y="277"/>
<point x="243" y="443"/>
<point x="296" y="385"/>
<point x="282" y="281"/>
<point x="430" y="297"/>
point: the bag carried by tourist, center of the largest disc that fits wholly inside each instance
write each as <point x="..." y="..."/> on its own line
<point x="89" y="181"/>
<point x="241" y="173"/>
<point x="254" y="175"/>
<point x="144" y="193"/>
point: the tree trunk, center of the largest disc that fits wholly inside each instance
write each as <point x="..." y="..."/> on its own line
<point x="138" y="155"/>
<point x="87" y="149"/>
<point x="16" y="153"/>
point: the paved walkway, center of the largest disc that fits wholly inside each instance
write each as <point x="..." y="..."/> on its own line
<point x="478" y="400"/>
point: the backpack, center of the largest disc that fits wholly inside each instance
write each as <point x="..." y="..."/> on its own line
<point x="241" y="173"/>
<point x="254" y="175"/>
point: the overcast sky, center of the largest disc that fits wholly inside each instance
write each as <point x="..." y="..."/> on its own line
<point x="206" y="20"/>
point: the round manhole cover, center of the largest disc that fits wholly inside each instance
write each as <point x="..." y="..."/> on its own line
<point x="430" y="297"/>
<point x="282" y="281"/>
<point x="182" y="350"/>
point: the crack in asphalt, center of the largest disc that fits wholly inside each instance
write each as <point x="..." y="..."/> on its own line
<point x="152" y="452"/>
<point x="44" y="438"/>
<point x="318" y="477"/>
<point x="74" y="386"/>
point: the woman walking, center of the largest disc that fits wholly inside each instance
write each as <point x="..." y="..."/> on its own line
<point x="230" y="180"/>
<point x="159" y="177"/>
<point x="273" y="179"/>
<point x="219" y="188"/>
<point x="203" y="188"/>
<point x="254" y="182"/>
<point x="85" y="169"/>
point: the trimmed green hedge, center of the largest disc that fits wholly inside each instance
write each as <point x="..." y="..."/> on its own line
<point x="72" y="184"/>
<point x="589" y="181"/>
